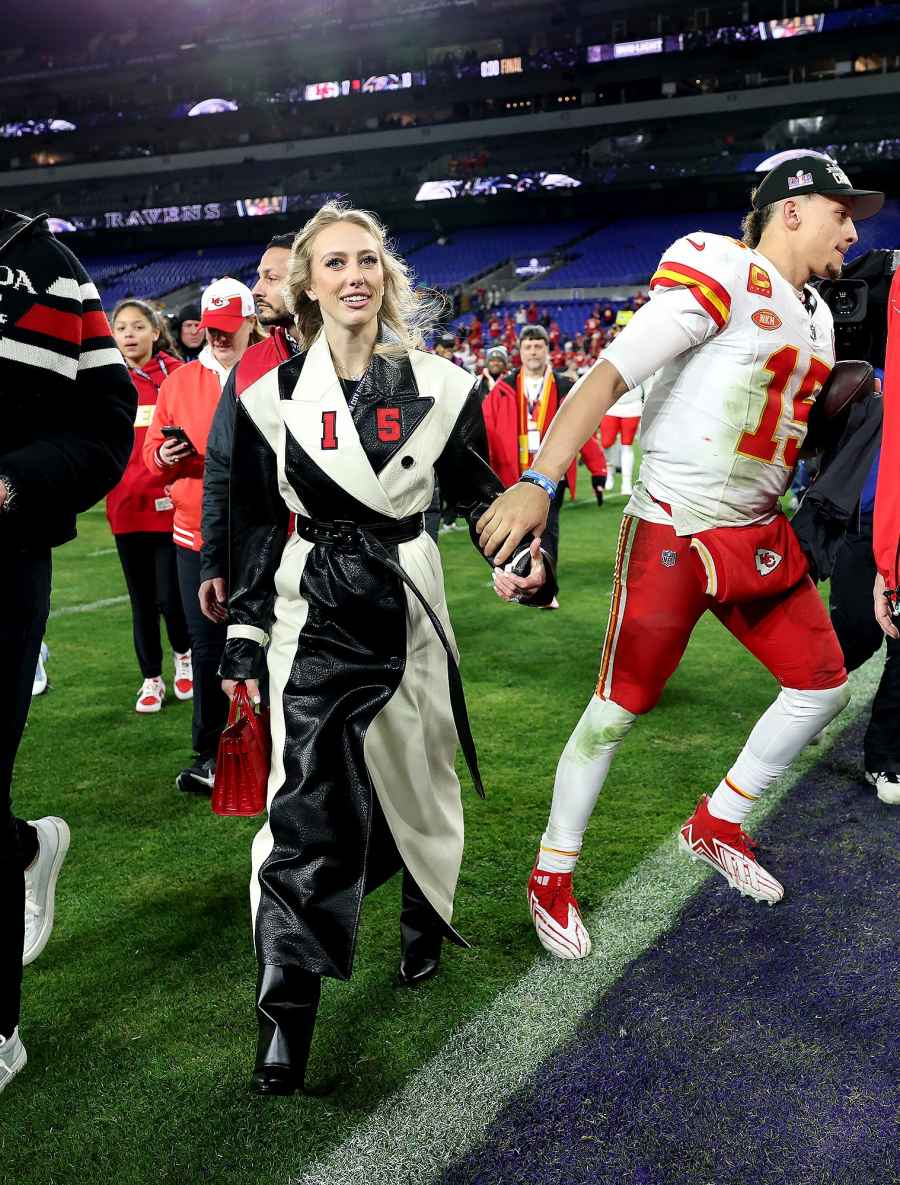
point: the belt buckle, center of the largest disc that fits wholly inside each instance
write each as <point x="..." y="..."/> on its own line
<point x="343" y="529"/>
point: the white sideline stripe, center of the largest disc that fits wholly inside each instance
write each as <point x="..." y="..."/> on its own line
<point x="446" y="1106"/>
<point x="89" y="607"/>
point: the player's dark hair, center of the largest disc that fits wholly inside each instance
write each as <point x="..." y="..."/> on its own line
<point x="285" y="241"/>
<point x="755" y="222"/>
<point x="534" y="331"/>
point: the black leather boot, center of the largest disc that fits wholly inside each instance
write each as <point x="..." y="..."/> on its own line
<point x="286" y="1005"/>
<point x="421" y="935"/>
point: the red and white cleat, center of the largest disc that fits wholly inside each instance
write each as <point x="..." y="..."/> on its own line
<point x="556" y="917"/>
<point x="728" y="849"/>
<point x="184" y="676"/>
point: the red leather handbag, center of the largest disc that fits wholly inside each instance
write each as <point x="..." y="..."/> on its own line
<point x="243" y="760"/>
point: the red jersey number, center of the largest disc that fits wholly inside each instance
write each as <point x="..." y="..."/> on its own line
<point x="771" y="435"/>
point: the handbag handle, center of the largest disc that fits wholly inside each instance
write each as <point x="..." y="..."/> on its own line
<point x="241" y="704"/>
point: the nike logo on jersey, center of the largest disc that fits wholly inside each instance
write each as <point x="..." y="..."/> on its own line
<point x="697" y="246"/>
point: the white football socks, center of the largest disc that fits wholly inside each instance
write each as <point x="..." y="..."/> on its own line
<point x="580" y="775"/>
<point x="627" y="466"/>
<point x="780" y="734"/>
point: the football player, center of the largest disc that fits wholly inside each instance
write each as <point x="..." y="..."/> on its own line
<point x="739" y="345"/>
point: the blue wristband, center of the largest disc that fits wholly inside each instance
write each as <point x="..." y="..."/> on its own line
<point x="547" y="484"/>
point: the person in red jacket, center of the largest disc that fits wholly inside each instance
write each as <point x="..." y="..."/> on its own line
<point x="139" y="510"/>
<point x="188" y="400"/>
<point x="517" y="413"/>
<point x="281" y="344"/>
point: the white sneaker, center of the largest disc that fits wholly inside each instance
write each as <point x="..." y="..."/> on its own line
<point x="887" y="787"/>
<point x="627" y="490"/>
<point x="12" y="1058"/>
<point x="40" y="675"/>
<point x="150" y="697"/>
<point x="184" y="676"/>
<point x="40" y="884"/>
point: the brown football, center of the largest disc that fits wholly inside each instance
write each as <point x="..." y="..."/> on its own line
<point x="848" y="382"/>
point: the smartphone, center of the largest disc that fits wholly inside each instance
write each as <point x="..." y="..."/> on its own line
<point x="172" y="432"/>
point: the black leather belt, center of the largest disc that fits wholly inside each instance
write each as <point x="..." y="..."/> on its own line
<point x="371" y="538"/>
<point x="399" y="530"/>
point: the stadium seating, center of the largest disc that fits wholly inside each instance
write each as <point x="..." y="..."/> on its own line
<point x="470" y="253"/>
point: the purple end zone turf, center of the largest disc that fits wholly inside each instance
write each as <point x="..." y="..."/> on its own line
<point x="752" y="1045"/>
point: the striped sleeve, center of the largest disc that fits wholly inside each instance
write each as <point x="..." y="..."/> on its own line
<point x="703" y="265"/>
<point x="75" y="433"/>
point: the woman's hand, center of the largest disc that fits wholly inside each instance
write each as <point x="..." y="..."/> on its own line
<point x="510" y="587"/>
<point x="229" y="686"/>
<point x="170" y="452"/>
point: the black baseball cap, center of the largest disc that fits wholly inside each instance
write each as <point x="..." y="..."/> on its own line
<point x="448" y="340"/>
<point x="815" y="174"/>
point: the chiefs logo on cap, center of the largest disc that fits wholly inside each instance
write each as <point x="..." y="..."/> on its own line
<point x="758" y="281"/>
<point x="217" y="302"/>
<point x="766" y="319"/>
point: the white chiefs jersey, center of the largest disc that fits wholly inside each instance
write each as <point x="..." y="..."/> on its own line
<point x="723" y="421"/>
<point x="630" y="405"/>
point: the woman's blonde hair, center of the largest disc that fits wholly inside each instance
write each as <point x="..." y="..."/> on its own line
<point x="405" y="317"/>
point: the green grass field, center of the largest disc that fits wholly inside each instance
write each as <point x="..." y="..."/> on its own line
<point x="138" y="1018"/>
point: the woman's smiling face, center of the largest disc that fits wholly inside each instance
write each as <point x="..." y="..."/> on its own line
<point x="346" y="275"/>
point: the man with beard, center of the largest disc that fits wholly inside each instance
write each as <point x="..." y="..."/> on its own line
<point x="496" y="366"/>
<point x="257" y="361"/>
<point x="740" y="345"/>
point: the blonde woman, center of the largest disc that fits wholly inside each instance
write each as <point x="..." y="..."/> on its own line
<point x="334" y="460"/>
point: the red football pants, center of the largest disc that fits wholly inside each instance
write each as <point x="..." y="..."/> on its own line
<point x="659" y="596"/>
<point x="623" y="426"/>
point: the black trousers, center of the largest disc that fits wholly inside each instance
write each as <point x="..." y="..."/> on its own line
<point x="151" y="574"/>
<point x="207" y="644"/>
<point x="24" y="606"/>
<point x="860" y="637"/>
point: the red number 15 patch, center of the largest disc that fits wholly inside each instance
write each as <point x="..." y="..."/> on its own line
<point x="388" y="422"/>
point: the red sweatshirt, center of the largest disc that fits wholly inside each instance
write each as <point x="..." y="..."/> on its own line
<point x="140" y="501"/>
<point x="189" y="400"/>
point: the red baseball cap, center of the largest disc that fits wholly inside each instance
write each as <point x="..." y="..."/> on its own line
<point x="225" y="304"/>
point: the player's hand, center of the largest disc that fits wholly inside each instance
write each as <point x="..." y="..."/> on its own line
<point x="229" y="686"/>
<point x="170" y="452"/>
<point x="883" y="609"/>
<point x="213" y="602"/>
<point x="521" y="509"/>
<point x="510" y="587"/>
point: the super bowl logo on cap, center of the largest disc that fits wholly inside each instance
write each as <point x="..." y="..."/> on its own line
<point x="838" y="173"/>
<point x="758" y="281"/>
<point x="799" y="179"/>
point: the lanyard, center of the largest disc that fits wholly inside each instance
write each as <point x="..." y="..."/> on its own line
<point x="143" y="374"/>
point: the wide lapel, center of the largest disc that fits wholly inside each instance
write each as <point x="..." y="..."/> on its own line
<point x="318" y="418"/>
<point x="388" y="410"/>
